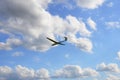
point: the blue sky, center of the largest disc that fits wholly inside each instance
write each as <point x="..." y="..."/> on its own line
<point x="92" y="51"/>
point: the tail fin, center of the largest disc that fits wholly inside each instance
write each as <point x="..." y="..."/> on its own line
<point x="64" y="40"/>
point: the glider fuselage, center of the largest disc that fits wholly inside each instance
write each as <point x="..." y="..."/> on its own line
<point x="56" y="42"/>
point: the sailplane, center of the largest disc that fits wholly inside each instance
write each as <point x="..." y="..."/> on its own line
<point x="57" y="42"/>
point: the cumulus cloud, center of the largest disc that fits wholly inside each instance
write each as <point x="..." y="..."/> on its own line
<point x="85" y="4"/>
<point x="23" y="73"/>
<point x="112" y="67"/>
<point x="84" y="44"/>
<point x="74" y="71"/>
<point x="32" y="23"/>
<point x="77" y="26"/>
<point x="113" y="24"/>
<point x="10" y="43"/>
<point x="91" y="23"/>
<point x="89" y="4"/>
<point x="112" y="77"/>
<point x="68" y="71"/>
<point x="5" y="71"/>
<point x="42" y="74"/>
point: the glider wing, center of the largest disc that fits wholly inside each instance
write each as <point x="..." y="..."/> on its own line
<point x="51" y="40"/>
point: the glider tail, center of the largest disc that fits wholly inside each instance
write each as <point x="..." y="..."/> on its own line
<point x="64" y="40"/>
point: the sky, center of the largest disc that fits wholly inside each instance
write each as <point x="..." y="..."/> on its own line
<point x="92" y="51"/>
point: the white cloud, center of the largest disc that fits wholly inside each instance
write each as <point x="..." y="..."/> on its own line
<point x="33" y="24"/>
<point x="5" y="70"/>
<point x="42" y="74"/>
<point x="110" y="4"/>
<point x="89" y="4"/>
<point x="112" y="77"/>
<point x="91" y="23"/>
<point x="112" y="67"/>
<point x="10" y="43"/>
<point x="26" y="73"/>
<point x="118" y="55"/>
<point x="113" y="24"/>
<point x="83" y="43"/>
<point x="77" y="26"/>
<point x="74" y="71"/>
<point x="16" y="54"/>
<point x="68" y="71"/>
<point x="23" y="73"/>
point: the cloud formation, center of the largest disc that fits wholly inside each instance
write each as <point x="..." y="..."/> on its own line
<point x="10" y="43"/>
<point x="91" y="23"/>
<point x="84" y="44"/>
<point x="89" y="4"/>
<point x="67" y="72"/>
<point x="30" y="24"/>
<point x="112" y="77"/>
<point x="85" y="4"/>
<point x="113" y="24"/>
<point x="74" y="71"/>
<point x="112" y="67"/>
<point x="24" y="73"/>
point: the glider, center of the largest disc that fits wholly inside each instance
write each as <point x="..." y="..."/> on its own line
<point x="57" y="42"/>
